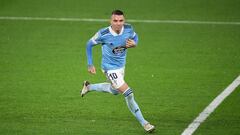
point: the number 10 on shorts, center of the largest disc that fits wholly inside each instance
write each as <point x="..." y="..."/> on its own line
<point x="112" y="76"/>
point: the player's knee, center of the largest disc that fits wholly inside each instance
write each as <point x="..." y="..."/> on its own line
<point x="123" y="88"/>
<point x="114" y="91"/>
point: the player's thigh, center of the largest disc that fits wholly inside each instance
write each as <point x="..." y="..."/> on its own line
<point x="116" y="77"/>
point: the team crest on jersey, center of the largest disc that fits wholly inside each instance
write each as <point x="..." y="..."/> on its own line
<point x="119" y="50"/>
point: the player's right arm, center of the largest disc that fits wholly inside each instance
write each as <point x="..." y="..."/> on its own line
<point x="91" y="68"/>
<point x="92" y="42"/>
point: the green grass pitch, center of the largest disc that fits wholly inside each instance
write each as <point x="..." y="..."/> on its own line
<point x="175" y="72"/>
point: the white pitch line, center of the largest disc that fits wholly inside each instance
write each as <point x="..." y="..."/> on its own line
<point x="106" y="20"/>
<point x="211" y="107"/>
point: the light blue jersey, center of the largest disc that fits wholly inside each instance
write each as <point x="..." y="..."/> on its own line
<point x="113" y="46"/>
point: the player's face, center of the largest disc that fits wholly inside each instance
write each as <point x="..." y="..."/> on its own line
<point x="117" y="22"/>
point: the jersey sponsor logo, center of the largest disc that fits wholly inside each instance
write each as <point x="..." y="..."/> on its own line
<point x="119" y="50"/>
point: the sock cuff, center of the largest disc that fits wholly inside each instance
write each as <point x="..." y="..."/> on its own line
<point x="128" y="92"/>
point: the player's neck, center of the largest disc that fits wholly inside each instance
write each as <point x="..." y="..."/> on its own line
<point x="115" y="32"/>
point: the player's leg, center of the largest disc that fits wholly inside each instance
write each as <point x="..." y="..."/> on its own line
<point x="117" y="79"/>
<point x="100" y="87"/>
<point x="134" y="108"/>
<point x="132" y="104"/>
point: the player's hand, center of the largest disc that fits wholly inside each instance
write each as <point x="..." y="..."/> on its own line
<point x="130" y="43"/>
<point x="91" y="69"/>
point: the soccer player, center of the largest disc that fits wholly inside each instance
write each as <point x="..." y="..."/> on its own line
<point x="115" y="41"/>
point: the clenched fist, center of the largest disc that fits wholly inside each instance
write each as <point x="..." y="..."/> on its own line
<point x="130" y="43"/>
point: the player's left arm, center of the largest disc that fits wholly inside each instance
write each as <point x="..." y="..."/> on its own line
<point x="132" y="42"/>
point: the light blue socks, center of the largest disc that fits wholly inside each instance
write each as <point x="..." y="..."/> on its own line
<point x="103" y="87"/>
<point x="128" y="94"/>
<point x="133" y="106"/>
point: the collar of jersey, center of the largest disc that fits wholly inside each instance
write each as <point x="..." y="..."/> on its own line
<point x="114" y="33"/>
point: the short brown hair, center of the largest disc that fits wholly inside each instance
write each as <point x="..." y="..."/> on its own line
<point x="117" y="12"/>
